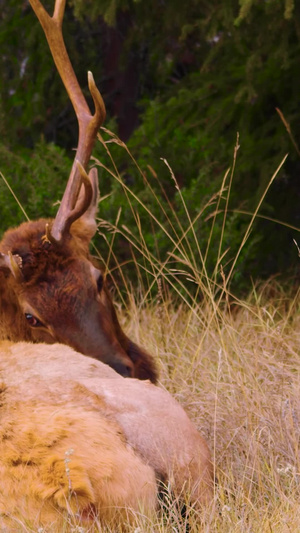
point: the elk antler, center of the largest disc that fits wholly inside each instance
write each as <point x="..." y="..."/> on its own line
<point x="88" y="124"/>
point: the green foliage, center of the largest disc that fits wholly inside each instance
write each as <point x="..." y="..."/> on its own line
<point x="250" y="69"/>
<point x="33" y="101"/>
<point x="37" y="179"/>
<point x="206" y="70"/>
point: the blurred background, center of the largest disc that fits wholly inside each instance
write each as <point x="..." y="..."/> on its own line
<point x="180" y="81"/>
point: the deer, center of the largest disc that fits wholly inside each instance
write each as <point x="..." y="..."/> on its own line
<point x="79" y="441"/>
<point x="51" y="288"/>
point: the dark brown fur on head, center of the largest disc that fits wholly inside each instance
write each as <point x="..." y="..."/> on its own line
<point x="62" y="297"/>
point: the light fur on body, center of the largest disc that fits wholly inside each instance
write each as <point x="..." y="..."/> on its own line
<point x="78" y="439"/>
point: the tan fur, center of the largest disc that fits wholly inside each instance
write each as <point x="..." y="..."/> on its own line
<point x="117" y="434"/>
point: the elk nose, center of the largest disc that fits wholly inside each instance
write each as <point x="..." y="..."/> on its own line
<point x="125" y="370"/>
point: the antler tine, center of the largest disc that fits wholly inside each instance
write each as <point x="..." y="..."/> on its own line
<point x="88" y="124"/>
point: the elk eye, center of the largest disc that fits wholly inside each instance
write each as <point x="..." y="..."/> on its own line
<point x="33" y="321"/>
<point x="100" y="282"/>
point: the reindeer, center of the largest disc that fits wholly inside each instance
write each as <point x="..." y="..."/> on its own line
<point x="89" y="444"/>
<point x="51" y="290"/>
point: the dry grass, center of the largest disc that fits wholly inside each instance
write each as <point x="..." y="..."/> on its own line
<point x="238" y="379"/>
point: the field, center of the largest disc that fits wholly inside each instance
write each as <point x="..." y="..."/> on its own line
<point x="232" y="364"/>
<point x="236" y="374"/>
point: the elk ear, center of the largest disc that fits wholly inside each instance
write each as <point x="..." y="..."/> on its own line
<point x="13" y="264"/>
<point x="144" y="365"/>
<point x="85" y="227"/>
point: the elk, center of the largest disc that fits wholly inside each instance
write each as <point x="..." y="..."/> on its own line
<point x="87" y="443"/>
<point x="51" y="291"/>
<point x="78" y="441"/>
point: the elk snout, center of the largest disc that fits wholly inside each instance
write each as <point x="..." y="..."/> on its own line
<point x="120" y="362"/>
<point x="126" y="370"/>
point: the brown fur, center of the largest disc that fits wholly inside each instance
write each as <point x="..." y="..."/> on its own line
<point x="76" y="438"/>
<point x="59" y="288"/>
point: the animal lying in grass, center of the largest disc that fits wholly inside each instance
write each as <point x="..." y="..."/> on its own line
<point x="79" y="441"/>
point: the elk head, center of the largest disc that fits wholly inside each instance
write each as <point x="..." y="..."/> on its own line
<point x="51" y="289"/>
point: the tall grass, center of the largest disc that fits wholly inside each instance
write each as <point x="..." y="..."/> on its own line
<point x="233" y="365"/>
